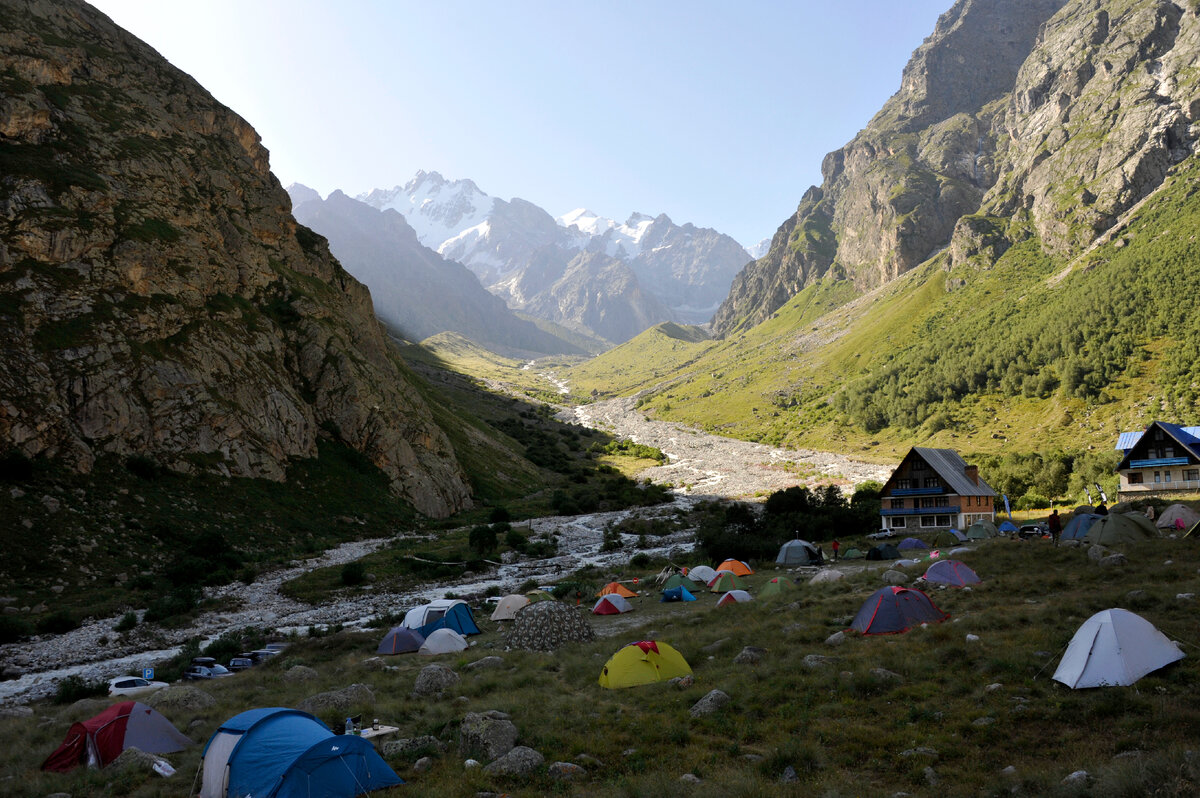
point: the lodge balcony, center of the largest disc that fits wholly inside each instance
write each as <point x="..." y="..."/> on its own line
<point x="953" y="509"/>
<point x="1160" y="462"/>
<point x="916" y="491"/>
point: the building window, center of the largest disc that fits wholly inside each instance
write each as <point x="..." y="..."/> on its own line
<point x="904" y="484"/>
<point x="897" y="504"/>
<point x="1158" y="476"/>
<point x="926" y="502"/>
<point x="943" y="520"/>
<point x="1169" y="451"/>
<point x="896" y="523"/>
<point x="1166" y="476"/>
<point x="928" y="520"/>
<point x="941" y="501"/>
<point x="918" y="465"/>
<point x="1192" y="475"/>
<point x="1158" y="434"/>
<point x="932" y="482"/>
<point x="1135" y="478"/>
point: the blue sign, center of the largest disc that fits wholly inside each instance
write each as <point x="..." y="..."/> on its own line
<point x="148" y="674"/>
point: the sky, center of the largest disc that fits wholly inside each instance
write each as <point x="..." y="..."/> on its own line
<point x="715" y="113"/>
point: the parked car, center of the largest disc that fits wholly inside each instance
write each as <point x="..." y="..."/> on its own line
<point x="261" y="655"/>
<point x="240" y="664"/>
<point x="203" y="668"/>
<point x="1033" y="531"/>
<point x="276" y="647"/>
<point x="132" y="685"/>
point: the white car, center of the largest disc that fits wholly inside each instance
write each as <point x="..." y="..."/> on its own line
<point x="132" y="685"/>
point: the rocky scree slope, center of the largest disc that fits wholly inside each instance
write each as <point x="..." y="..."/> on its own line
<point x="156" y="296"/>
<point x="1046" y="119"/>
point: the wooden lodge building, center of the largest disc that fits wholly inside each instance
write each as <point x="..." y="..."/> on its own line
<point x="1161" y="461"/>
<point x="934" y="489"/>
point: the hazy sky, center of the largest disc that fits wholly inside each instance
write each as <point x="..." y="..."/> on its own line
<point x="715" y="113"/>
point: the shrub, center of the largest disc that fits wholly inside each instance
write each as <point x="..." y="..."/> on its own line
<point x="500" y="515"/>
<point x="354" y="573"/>
<point x="127" y="622"/>
<point x="57" y="623"/>
<point x="142" y="467"/>
<point x="15" y="467"/>
<point x="482" y="539"/>
<point x="74" y="688"/>
<point x="14" y="629"/>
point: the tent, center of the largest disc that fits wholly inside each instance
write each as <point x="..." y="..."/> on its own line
<point x="951" y="572"/>
<point x="400" y="640"/>
<point x="894" y="609"/>
<point x="508" y="607"/>
<point x="726" y="582"/>
<point x="679" y="580"/>
<point x="101" y="738"/>
<point x="948" y="538"/>
<point x="912" y="543"/>
<point x="1114" y="647"/>
<point x="644" y="662"/>
<point x="285" y="753"/>
<point x="443" y="641"/>
<point x="736" y="567"/>
<point x="701" y="574"/>
<point x="443" y="613"/>
<point x="547" y="625"/>
<point x="1008" y="528"/>
<point x="884" y="551"/>
<point x="777" y="585"/>
<point x="982" y="529"/>
<point x="798" y="552"/>
<point x="852" y="554"/>
<point x="735" y="597"/>
<point x="1113" y="529"/>
<point x="1177" y="516"/>
<point x="612" y="604"/>
<point x="617" y="588"/>
<point x="679" y="593"/>
<point x="539" y="595"/>
<point x="1078" y="526"/>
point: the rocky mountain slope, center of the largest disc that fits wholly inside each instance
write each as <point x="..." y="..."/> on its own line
<point x="157" y="299"/>
<point x="683" y="272"/>
<point x="1047" y="119"/>
<point x="416" y="291"/>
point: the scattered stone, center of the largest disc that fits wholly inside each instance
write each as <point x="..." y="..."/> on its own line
<point x="181" y="697"/>
<point x="682" y="682"/>
<point x="751" y="655"/>
<point x="51" y="504"/>
<point x="789" y="775"/>
<point x="972" y="638"/>
<point x="138" y="761"/>
<point x="712" y="702"/>
<point x="485" y="736"/>
<point x="1114" y="559"/>
<point x="836" y="639"/>
<point x="755" y="758"/>
<point x="434" y="680"/>
<point x="894" y="577"/>
<point x="1131" y="754"/>
<point x="628" y="752"/>
<point x="1042" y="654"/>
<point x="1185" y="596"/>
<point x="423" y="764"/>
<point x="1135" y="595"/>
<point x="931" y="777"/>
<point x="6" y="600"/>
<point x="471" y="763"/>
<point x="984" y="721"/>
<point x="1078" y="777"/>
<point x="793" y="628"/>
<point x="566" y="771"/>
<point x="339" y="701"/>
<point x="713" y="648"/>
<point x="993" y="687"/>
<point x="484" y="664"/>
<point x="588" y="760"/>
<point x="59" y="795"/>
<point x="826" y="576"/>
<point x="884" y="675"/>
<point x="814" y="661"/>
<point x="299" y="673"/>
<point x="1009" y="771"/>
<point x="520" y="761"/>
<point x="919" y="751"/>
<point x="412" y="746"/>
<point x="690" y="778"/>
<point x="1097" y="553"/>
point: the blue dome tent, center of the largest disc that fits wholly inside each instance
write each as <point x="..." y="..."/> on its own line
<point x="457" y="619"/>
<point x="276" y="752"/>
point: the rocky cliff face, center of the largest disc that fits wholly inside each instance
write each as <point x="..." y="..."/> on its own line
<point x="892" y="197"/>
<point x="156" y="296"/>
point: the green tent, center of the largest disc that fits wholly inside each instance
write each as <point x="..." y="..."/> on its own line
<point x="852" y="554"/>
<point x="679" y="580"/>
<point x="1118" y="528"/>
<point x="982" y="530"/>
<point x="946" y="538"/>
<point x="726" y="582"/>
<point x="777" y="585"/>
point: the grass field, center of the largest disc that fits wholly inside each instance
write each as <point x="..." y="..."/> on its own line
<point x="950" y="716"/>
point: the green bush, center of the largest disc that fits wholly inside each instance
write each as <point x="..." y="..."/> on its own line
<point x="57" y="623"/>
<point x="354" y="573"/>
<point x="73" y="688"/>
<point x="127" y="622"/>
<point x="13" y="629"/>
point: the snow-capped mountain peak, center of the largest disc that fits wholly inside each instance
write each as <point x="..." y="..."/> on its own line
<point x="438" y="209"/>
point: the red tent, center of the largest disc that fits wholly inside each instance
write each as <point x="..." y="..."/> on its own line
<point x="101" y="739"/>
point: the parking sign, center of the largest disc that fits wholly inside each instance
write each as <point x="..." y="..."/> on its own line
<point x="148" y="674"/>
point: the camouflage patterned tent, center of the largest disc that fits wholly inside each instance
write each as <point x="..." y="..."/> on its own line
<point x="547" y="625"/>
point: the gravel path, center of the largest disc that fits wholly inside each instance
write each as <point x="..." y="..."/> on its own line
<point x="700" y="466"/>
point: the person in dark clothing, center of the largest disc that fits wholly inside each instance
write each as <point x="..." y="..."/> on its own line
<point x="1054" y="523"/>
<point x="1101" y="509"/>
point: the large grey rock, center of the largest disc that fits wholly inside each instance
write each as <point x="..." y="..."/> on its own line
<point x="485" y="736"/>
<point x="711" y="703"/>
<point x="750" y="655"/>
<point x="356" y="696"/>
<point x="893" y="577"/>
<point x="836" y="639"/>
<point x="139" y="761"/>
<point x="299" y="673"/>
<point x="412" y="746"/>
<point x="486" y="663"/>
<point x="181" y="696"/>
<point x="566" y="771"/>
<point x="814" y="661"/>
<point x="434" y="681"/>
<point x="1116" y="558"/>
<point x="520" y="761"/>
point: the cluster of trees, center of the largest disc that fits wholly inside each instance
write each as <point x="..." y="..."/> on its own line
<point x="1032" y="480"/>
<point x="737" y="530"/>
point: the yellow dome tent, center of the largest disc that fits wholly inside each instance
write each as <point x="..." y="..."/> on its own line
<point x="643" y="663"/>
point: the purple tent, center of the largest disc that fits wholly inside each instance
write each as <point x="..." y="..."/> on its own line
<point x="912" y="543"/>
<point x="951" y="572"/>
<point x="891" y="610"/>
<point x="400" y="640"/>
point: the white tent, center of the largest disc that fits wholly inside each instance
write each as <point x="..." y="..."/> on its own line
<point x="506" y="610"/>
<point x="735" y="597"/>
<point x="428" y="613"/>
<point x="612" y="604"/>
<point x="701" y="574"/>
<point x="443" y="641"/>
<point x="1114" y="647"/>
<point x="1185" y="516"/>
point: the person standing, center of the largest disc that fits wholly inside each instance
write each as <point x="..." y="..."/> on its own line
<point x="1055" y="525"/>
<point x="836" y="546"/>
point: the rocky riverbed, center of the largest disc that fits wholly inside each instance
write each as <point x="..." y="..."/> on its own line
<point x="701" y="466"/>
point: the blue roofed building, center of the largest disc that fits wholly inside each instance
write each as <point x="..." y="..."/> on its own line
<point x="934" y="489"/>
<point x="1161" y="461"/>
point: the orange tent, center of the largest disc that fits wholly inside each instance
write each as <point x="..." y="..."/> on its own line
<point x="738" y="567"/>
<point x="618" y="588"/>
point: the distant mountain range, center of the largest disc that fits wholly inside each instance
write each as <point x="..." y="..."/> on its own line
<point x="583" y="271"/>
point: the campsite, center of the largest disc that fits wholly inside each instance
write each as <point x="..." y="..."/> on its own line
<point x="970" y="701"/>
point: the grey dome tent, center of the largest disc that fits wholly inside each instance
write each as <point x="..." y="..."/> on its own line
<point x="400" y="640"/>
<point x="798" y="552"/>
<point x="1113" y="529"/>
<point x="884" y="551"/>
<point x="892" y="609"/>
<point x="1114" y="647"/>
<point x="982" y="530"/>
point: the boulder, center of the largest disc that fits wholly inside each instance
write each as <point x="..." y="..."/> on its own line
<point x="338" y="701"/>
<point x="484" y="664"/>
<point x="826" y="576"/>
<point x="520" y="761"/>
<point x="1116" y="558"/>
<point x="566" y="771"/>
<point x="894" y="577"/>
<point x="750" y="655"/>
<point x="711" y="703"/>
<point x="138" y="761"/>
<point x="181" y="697"/>
<point x="836" y="639"/>
<point x="299" y="673"/>
<point x="814" y="661"/>
<point x="434" y="681"/>
<point x="486" y="736"/>
<point x="412" y="746"/>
